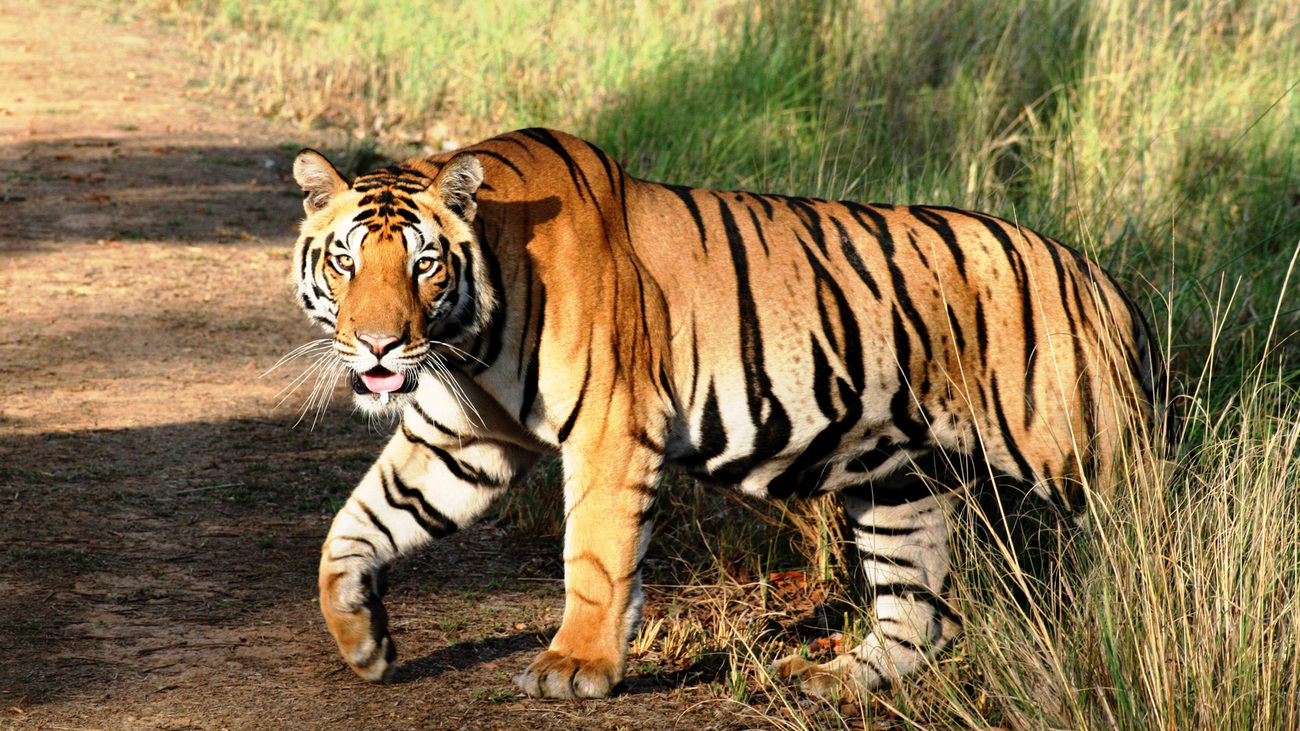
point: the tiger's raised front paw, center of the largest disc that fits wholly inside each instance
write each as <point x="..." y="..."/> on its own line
<point x="815" y="679"/>
<point x="556" y="675"/>
<point x="360" y="627"/>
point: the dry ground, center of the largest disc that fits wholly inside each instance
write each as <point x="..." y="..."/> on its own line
<point x="159" y="518"/>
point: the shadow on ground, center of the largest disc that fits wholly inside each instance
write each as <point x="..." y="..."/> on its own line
<point x="147" y="570"/>
<point x="134" y="189"/>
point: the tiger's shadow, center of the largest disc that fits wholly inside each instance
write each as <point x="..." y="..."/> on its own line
<point x="462" y="656"/>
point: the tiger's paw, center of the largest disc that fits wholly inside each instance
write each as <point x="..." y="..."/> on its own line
<point x="556" y="675"/>
<point x="371" y="655"/>
<point x="821" y="680"/>
<point x="357" y="619"/>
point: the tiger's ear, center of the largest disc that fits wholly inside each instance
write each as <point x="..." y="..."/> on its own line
<point x="457" y="183"/>
<point x="318" y="178"/>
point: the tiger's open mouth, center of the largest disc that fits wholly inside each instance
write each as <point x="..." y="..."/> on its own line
<point x="380" y="380"/>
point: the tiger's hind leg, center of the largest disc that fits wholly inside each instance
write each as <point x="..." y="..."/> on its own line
<point x="904" y="549"/>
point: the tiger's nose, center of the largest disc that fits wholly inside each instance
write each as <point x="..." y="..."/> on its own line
<point x="379" y="344"/>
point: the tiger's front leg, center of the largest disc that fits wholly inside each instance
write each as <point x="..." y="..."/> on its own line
<point x="609" y="493"/>
<point x="429" y="481"/>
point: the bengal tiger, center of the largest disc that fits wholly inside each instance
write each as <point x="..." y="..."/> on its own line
<point x="526" y="296"/>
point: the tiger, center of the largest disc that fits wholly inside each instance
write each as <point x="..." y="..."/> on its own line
<point x="526" y="296"/>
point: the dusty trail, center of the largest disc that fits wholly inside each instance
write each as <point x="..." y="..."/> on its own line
<point x="159" y="521"/>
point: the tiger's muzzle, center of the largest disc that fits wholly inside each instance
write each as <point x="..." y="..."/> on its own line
<point x="381" y="367"/>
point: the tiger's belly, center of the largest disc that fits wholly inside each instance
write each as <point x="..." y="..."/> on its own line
<point x="841" y="454"/>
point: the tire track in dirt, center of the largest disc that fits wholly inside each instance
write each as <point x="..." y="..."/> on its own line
<point x="159" y="522"/>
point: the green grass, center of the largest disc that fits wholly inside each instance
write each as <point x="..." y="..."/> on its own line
<point x="1161" y="138"/>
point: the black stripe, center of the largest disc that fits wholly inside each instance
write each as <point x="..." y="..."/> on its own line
<point x="899" y="561"/>
<point x="941" y="227"/>
<point x="803" y="476"/>
<point x="851" y="352"/>
<point x="525" y="328"/>
<point x="530" y="390"/>
<point x="304" y="254"/>
<point x="905" y="644"/>
<point x="436" y="424"/>
<point x="512" y="139"/>
<point x="545" y="137"/>
<point x="695" y="361"/>
<point x="374" y="519"/>
<point x="911" y="239"/>
<point x="1008" y="440"/>
<point x="496" y="320"/>
<point x="885" y="239"/>
<point x="453" y="317"/>
<point x="855" y="259"/>
<point x="811" y="220"/>
<point x="646" y="441"/>
<point x="758" y="229"/>
<point x="563" y="434"/>
<point x="919" y="593"/>
<point x="531" y="378"/>
<point x="872" y="664"/>
<point x="713" y="435"/>
<point x="1081" y="378"/>
<point x="773" y="433"/>
<point x="1020" y="268"/>
<point x="460" y="470"/>
<point x="315" y="265"/>
<point x="501" y="159"/>
<point x="882" y="530"/>
<point x="684" y="194"/>
<point x="358" y="539"/>
<point x="956" y="330"/>
<point x="640" y="293"/>
<point x="605" y="162"/>
<point x="884" y="493"/>
<point x="822" y="375"/>
<point x="432" y="520"/>
<point x="900" y="403"/>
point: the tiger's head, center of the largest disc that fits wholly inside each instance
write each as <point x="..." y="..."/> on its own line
<point x="389" y="266"/>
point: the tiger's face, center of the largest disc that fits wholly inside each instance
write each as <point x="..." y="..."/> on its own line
<point x="386" y="264"/>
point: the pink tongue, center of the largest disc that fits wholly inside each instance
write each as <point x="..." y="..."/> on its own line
<point x="383" y="384"/>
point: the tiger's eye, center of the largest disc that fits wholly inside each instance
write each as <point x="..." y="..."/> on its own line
<point x="424" y="265"/>
<point x="343" y="260"/>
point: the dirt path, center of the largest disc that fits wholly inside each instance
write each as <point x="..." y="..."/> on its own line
<point x="159" y="521"/>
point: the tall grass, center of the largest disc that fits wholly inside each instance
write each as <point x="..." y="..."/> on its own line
<point x="1162" y="138"/>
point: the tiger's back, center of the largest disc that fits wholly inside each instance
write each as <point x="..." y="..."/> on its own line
<point x="808" y="345"/>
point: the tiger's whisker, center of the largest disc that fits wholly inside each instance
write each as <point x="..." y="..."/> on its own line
<point x="299" y="352"/>
<point x="300" y="379"/>
<point x="459" y="352"/>
<point x="317" y="390"/>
